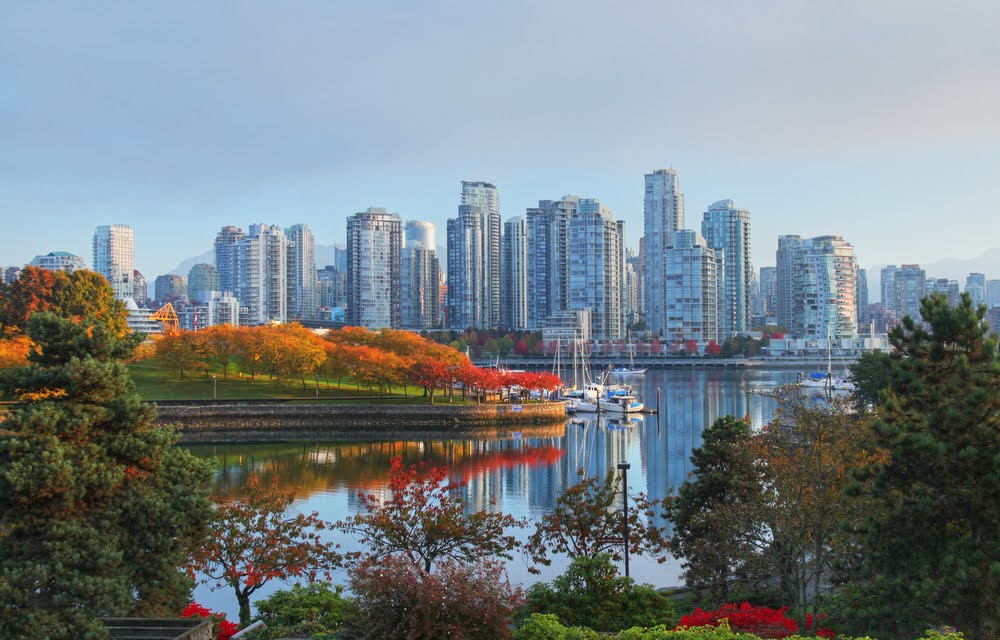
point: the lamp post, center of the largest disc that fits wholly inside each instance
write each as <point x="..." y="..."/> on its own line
<point x="624" y="467"/>
<point x="215" y="382"/>
<point x="317" y="384"/>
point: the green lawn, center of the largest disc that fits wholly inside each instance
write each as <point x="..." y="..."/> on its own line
<point x="154" y="382"/>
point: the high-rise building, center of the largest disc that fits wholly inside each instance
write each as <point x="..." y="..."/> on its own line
<point x="515" y="273"/>
<point x="169" y="287"/>
<point x="262" y="274"/>
<point x="975" y="286"/>
<point x="202" y="280"/>
<point x="114" y="257"/>
<point x="302" y="281"/>
<point x="227" y="257"/>
<point x="943" y="285"/>
<point x="861" y="304"/>
<point x="910" y="289"/>
<point x="11" y="274"/>
<point x="727" y="228"/>
<point x="992" y="293"/>
<point x="140" y="288"/>
<point x="467" y="288"/>
<point x="694" y="275"/>
<point x="632" y="293"/>
<point x="59" y="261"/>
<point x="374" y="269"/>
<point x="596" y="268"/>
<point x="421" y="278"/>
<point x="769" y="291"/>
<point x="663" y="216"/>
<point x="817" y="278"/>
<point x="548" y="252"/>
<point x="784" y="271"/>
<point x="484" y="196"/>
<point x="888" y="286"/>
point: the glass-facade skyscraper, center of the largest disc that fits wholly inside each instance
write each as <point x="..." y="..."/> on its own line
<point x="663" y="215"/>
<point x="727" y="228"/>
<point x="114" y="257"/>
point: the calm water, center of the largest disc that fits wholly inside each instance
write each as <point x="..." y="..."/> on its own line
<point x="525" y="471"/>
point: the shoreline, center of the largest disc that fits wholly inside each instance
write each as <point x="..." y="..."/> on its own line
<point x="215" y="423"/>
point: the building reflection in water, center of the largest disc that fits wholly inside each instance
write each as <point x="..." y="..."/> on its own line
<point x="524" y="472"/>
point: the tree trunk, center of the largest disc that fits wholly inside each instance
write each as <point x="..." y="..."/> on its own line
<point x="244" y="600"/>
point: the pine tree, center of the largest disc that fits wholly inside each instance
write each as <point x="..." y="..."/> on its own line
<point x="931" y="554"/>
<point x="717" y="514"/>
<point x="98" y="511"/>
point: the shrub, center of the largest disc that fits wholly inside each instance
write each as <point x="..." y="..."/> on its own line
<point x="546" y="626"/>
<point x="591" y="594"/>
<point x="396" y="599"/>
<point x="313" y="611"/>
<point x="222" y="629"/>
<point x="763" y="622"/>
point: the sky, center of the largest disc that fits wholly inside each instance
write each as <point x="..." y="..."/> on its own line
<point x="878" y="121"/>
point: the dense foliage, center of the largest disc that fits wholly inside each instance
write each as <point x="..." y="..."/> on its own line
<point x="590" y="593"/>
<point x="316" y="610"/>
<point x="931" y="548"/>
<point x="394" y="598"/>
<point x="763" y="622"/>
<point x="718" y="513"/>
<point x="99" y="510"/>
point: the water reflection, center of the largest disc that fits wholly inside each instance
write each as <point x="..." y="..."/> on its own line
<point x="524" y="472"/>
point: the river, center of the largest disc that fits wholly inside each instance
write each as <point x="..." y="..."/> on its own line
<point x="524" y="472"/>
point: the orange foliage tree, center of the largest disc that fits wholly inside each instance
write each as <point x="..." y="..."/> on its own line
<point x="183" y="351"/>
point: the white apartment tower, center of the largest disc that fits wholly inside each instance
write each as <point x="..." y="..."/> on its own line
<point x="262" y="274"/>
<point x="727" y="228"/>
<point x="484" y="196"/>
<point x="374" y="269"/>
<point x="515" y="273"/>
<point x="816" y="280"/>
<point x="114" y="257"/>
<point x="303" y="299"/>
<point x="548" y="252"/>
<point x="694" y="275"/>
<point x="663" y="215"/>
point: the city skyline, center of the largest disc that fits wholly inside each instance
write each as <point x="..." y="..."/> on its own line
<point x="875" y="123"/>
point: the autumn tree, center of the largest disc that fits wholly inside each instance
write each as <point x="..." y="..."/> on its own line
<point x="99" y="509"/>
<point x="425" y="519"/>
<point x="930" y="552"/>
<point x="255" y="541"/>
<point x="220" y="345"/>
<point x="587" y="522"/>
<point x="809" y="452"/>
<point x="183" y="351"/>
<point x="717" y="514"/>
<point x="299" y="352"/>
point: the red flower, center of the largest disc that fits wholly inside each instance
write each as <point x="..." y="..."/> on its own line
<point x="226" y="629"/>
<point x="763" y="622"/>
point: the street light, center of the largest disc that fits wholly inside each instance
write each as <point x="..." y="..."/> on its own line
<point x="215" y="394"/>
<point x="317" y="384"/>
<point x="624" y="467"/>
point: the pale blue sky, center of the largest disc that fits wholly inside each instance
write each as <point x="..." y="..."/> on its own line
<point x="879" y="121"/>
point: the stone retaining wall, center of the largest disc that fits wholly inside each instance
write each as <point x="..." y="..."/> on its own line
<point x="292" y="422"/>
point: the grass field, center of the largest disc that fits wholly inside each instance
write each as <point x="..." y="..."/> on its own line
<point x="154" y="382"/>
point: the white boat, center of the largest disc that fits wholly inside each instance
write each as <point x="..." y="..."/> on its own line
<point x="818" y="381"/>
<point x="611" y="399"/>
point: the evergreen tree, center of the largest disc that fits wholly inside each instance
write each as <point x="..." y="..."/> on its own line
<point x="931" y="553"/>
<point x="717" y="514"/>
<point x="98" y="511"/>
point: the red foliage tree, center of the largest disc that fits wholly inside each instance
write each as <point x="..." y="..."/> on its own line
<point x="713" y="349"/>
<point x="224" y="629"/>
<point x="425" y="520"/>
<point x="254" y="542"/>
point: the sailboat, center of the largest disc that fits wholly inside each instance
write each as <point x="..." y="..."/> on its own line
<point x="827" y="381"/>
<point x="631" y="369"/>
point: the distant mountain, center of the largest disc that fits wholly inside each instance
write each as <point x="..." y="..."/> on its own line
<point x="959" y="268"/>
<point x="950" y="268"/>
<point x="324" y="255"/>
<point x="183" y="268"/>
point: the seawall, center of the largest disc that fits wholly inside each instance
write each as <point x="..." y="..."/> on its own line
<point x="271" y="423"/>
